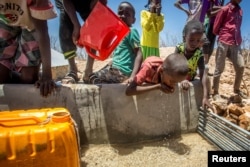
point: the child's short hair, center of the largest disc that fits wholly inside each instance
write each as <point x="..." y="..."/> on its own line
<point x="194" y="24"/>
<point x="176" y="64"/>
<point x="132" y="7"/>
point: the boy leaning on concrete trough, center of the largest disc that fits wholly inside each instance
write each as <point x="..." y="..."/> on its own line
<point x="158" y="74"/>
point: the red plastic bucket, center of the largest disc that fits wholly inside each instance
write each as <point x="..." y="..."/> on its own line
<point x="102" y="31"/>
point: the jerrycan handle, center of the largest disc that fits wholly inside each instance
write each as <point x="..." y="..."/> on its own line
<point x="109" y="41"/>
<point x="8" y="122"/>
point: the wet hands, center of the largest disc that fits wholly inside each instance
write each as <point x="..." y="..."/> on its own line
<point x="165" y="88"/>
<point x="129" y="80"/>
<point x="185" y="85"/>
<point x="46" y="86"/>
<point x="206" y="104"/>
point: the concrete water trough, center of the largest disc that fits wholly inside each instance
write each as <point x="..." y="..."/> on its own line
<point x="108" y="120"/>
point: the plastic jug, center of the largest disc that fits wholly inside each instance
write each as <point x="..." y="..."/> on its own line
<point x="39" y="138"/>
<point x="102" y="32"/>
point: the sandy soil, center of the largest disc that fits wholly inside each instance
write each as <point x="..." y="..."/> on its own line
<point x="188" y="151"/>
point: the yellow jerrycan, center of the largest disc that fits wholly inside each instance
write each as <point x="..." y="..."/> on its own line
<point x="38" y="138"/>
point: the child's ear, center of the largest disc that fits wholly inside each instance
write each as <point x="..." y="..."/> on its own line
<point x="184" y="38"/>
<point x="134" y="19"/>
<point x="161" y="69"/>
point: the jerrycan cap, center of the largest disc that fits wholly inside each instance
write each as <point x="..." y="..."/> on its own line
<point x="60" y="117"/>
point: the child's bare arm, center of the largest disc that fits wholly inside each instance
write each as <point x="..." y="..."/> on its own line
<point x="93" y="3"/>
<point x="137" y="63"/>
<point x="204" y="80"/>
<point x="213" y="11"/>
<point x="178" y="5"/>
<point x="219" y="20"/>
<point x="134" y="89"/>
<point x="71" y="11"/>
<point x="46" y="84"/>
<point x="146" y="21"/>
<point x="159" y="23"/>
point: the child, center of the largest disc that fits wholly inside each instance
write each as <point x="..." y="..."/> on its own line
<point x="213" y="8"/>
<point x="25" y="43"/>
<point x="152" y="23"/>
<point x="227" y="26"/>
<point x="197" y="10"/>
<point x="193" y="32"/>
<point x="194" y="8"/>
<point x="159" y="74"/>
<point x="69" y="32"/>
<point x="127" y="57"/>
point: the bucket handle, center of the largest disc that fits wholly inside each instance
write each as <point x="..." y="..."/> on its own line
<point x="109" y="41"/>
<point x="5" y="121"/>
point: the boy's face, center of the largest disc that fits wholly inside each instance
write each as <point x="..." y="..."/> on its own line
<point x="171" y="80"/>
<point x="193" y="40"/>
<point x="126" y="14"/>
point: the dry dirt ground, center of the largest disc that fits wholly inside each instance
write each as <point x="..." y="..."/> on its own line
<point x="233" y="108"/>
<point x="188" y="151"/>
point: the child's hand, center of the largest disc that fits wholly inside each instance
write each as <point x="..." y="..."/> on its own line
<point x="207" y="104"/>
<point x="76" y="34"/>
<point x="188" y="13"/>
<point x="155" y="8"/>
<point x="152" y="8"/>
<point x="158" y="9"/>
<point x="47" y="86"/>
<point x="129" y="80"/>
<point x="185" y="85"/>
<point x="166" y="89"/>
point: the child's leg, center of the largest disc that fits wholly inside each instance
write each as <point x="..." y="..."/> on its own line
<point x="108" y="74"/>
<point x="205" y="48"/>
<point x="68" y="47"/>
<point x="8" y="47"/>
<point x="238" y="62"/>
<point x="88" y="68"/>
<point x="4" y="74"/>
<point x="99" y="76"/>
<point x="90" y="60"/>
<point x="27" y="59"/>
<point x="29" y="75"/>
<point x="211" y="37"/>
<point x="220" y="59"/>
